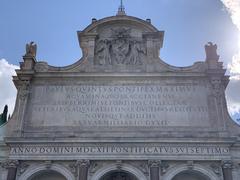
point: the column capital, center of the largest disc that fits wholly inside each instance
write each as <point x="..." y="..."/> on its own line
<point x="154" y="163"/>
<point x="10" y="164"/>
<point x="227" y="165"/>
<point x="83" y="162"/>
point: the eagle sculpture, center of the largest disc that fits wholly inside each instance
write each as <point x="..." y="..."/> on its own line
<point x="31" y="49"/>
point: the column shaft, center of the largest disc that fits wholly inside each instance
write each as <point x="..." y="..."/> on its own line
<point x="83" y="172"/>
<point x="227" y="170"/>
<point x="12" y="172"/>
<point x="83" y="169"/>
<point x="154" y="173"/>
<point x="227" y="174"/>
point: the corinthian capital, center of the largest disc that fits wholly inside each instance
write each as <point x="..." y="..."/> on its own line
<point x="154" y="163"/>
<point x="227" y="165"/>
<point x="10" y="164"/>
<point x="83" y="162"/>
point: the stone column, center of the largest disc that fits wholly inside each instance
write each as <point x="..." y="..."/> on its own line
<point x="227" y="170"/>
<point x="83" y="166"/>
<point x="154" y="170"/>
<point x="11" y="166"/>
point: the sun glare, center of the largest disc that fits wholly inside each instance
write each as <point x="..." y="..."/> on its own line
<point x="233" y="7"/>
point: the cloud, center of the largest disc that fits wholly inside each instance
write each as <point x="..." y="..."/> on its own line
<point x="232" y="94"/>
<point x="7" y="88"/>
<point x="233" y="6"/>
<point x="234" y="66"/>
<point x="233" y="98"/>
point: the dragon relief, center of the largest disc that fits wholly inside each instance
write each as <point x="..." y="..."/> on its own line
<point x="120" y="49"/>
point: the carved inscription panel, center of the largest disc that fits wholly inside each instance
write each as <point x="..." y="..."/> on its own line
<point x="125" y="105"/>
<point x="120" y="149"/>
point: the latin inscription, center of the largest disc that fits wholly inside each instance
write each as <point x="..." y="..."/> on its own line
<point x="119" y="105"/>
<point x="118" y="149"/>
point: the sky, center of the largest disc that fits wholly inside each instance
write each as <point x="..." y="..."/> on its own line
<point x="53" y="25"/>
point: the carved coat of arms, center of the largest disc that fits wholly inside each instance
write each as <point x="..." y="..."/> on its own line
<point x="120" y="48"/>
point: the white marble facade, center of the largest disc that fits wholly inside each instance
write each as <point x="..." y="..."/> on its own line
<point x="121" y="112"/>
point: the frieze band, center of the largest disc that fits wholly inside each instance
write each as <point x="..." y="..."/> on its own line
<point x="109" y="149"/>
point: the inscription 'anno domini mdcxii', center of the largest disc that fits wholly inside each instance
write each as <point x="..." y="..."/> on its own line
<point x="120" y="149"/>
<point x="120" y="105"/>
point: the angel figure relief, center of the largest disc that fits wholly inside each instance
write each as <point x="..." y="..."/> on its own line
<point x="138" y="53"/>
<point x="102" y="52"/>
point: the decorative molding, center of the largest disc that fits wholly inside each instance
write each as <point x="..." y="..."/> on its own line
<point x="217" y="87"/>
<point x="119" y="164"/>
<point x="216" y="169"/>
<point x="24" y="89"/>
<point x="144" y="168"/>
<point x="48" y="164"/>
<point x="93" y="167"/>
<point x="190" y="165"/>
<point x="41" y="67"/>
<point x="73" y="168"/>
<point x="164" y="167"/>
<point x="22" y="168"/>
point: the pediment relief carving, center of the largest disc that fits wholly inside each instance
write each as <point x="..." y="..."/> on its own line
<point x="120" y="48"/>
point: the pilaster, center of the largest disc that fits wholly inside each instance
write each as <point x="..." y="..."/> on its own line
<point x="11" y="166"/>
<point x="227" y="170"/>
<point x="154" y="167"/>
<point x="83" y="166"/>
